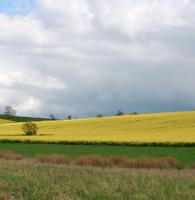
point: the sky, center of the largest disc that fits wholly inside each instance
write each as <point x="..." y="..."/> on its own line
<point x="84" y="57"/>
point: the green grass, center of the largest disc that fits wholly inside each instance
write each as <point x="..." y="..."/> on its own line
<point x="32" y="181"/>
<point x="186" y="155"/>
<point x="20" y="119"/>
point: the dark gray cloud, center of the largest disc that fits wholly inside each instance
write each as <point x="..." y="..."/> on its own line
<point x="84" y="57"/>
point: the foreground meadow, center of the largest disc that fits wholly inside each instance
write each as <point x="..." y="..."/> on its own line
<point x="142" y="128"/>
<point x="30" y="180"/>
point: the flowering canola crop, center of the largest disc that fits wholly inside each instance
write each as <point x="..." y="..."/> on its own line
<point x="159" y="127"/>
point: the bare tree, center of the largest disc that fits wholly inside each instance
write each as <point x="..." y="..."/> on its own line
<point x="9" y="111"/>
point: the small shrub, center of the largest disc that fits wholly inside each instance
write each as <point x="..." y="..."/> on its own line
<point x="30" y="128"/>
<point x="91" y="160"/>
<point x="53" y="159"/>
<point x="7" y="155"/>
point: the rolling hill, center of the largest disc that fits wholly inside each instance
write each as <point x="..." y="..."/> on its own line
<point x="4" y="121"/>
<point x="159" y="127"/>
<point x="6" y="118"/>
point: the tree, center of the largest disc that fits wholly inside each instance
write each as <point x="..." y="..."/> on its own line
<point x="52" y="117"/>
<point x="69" y="117"/>
<point x="119" y="113"/>
<point x="134" y="113"/>
<point x="30" y="128"/>
<point x="99" y="115"/>
<point x="9" y="111"/>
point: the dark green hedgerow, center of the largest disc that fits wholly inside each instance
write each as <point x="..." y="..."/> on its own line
<point x="144" y="144"/>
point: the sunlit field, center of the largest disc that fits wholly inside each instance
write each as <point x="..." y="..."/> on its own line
<point x="4" y="121"/>
<point x="160" y="127"/>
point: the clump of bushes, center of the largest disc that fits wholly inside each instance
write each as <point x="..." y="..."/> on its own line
<point x="30" y="128"/>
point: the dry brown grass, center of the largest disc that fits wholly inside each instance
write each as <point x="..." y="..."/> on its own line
<point x="7" y="155"/>
<point x="91" y="160"/>
<point x="124" y="162"/>
<point x="192" y="166"/>
<point x="114" y="161"/>
<point x="118" y="161"/>
<point x="151" y="163"/>
<point x="6" y="196"/>
<point x="54" y="159"/>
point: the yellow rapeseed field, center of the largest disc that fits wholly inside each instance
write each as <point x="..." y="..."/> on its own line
<point x="159" y="127"/>
<point x="3" y="121"/>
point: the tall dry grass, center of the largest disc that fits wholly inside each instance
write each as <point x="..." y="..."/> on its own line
<point x="118" y="161"/>
<point x="114" y="161"/>
<point x="98" y="161"/>
<point x="91" y="160"/>
<point x="8" y="155"/>
<point x="150" y="163"/>
<point x="54" y="159"/>
<point x="124" y="162"/>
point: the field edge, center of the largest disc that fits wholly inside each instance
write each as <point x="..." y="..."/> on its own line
<point x="110" y="143"/>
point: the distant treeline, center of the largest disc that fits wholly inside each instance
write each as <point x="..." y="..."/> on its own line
<point x="11" y="114"/>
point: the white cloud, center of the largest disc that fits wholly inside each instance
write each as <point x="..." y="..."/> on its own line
<point x="83" y="57"/>
<point x="74" y="16"/>
<point x="10" y="79"/>
<point x="2" y="101"/>
<point x="139" y="16"/>
<point x="18" y="78"/>
<point x="19" y="31"/>
<point x="29" y="105"/>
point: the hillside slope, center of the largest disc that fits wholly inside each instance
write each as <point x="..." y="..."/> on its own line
<point x="6" y="118"/>
<point x="4" y="121"/>
<point x="159" y="127"/>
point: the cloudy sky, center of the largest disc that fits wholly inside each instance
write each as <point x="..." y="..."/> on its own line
<point x="83" y="57"/>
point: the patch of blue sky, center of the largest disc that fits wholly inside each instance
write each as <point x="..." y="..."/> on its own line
<point x="17" y="7"/>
